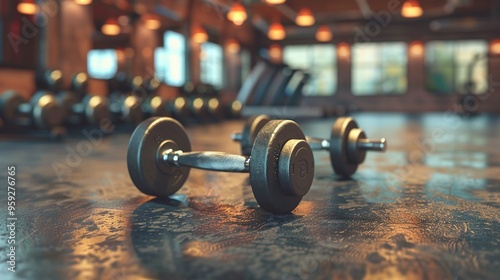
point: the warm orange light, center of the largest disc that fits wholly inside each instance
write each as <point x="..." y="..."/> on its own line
<point x="237" y="14"/>
<point x="495" y="46"/>
<point x="416" y="48"/>
<point x="275" y="53"/>
<point x="411" y="9"/>
<point x="305" y="17"/>
<point x="200" y="36"/>
<point x="344" y="50"/>
<point x="232" y="46"/>
<point x="275" y="2"/>
<point x="111" y="27"/>
<point x="83" y="2"/>
<point x="27" y="7"/>
<point x="151" y="22"/>
<point x="276" y="32"/>
<point x="324" y="34"/>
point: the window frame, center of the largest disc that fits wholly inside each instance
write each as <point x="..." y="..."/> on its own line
<point x="381" y="93"/>
<point x="454" y="91"/>
<point x="310" y="55"/>
<point x="181" y="52"/>
<point x="222" y="66"/>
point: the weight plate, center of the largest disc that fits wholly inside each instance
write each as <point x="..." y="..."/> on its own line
<point x="338" y="147"/>
<point x="9" y="103"/>
<point x="80" y="82"/>
<point x="294" y="168"/>
<point x="47" y="111"/>
<point x="179" y="108"/>
<point x="96" y="108"/>
<point x="264" y="166"/>
<point x="250" y="131"/>
<point x="132" y="109"/>
<point x="157" y="106"/>
<point x="68" y="100"/>
<point x="355" y="155"/>
<point x="144" y="156"/>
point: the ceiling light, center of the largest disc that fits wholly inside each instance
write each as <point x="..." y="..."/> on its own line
<point x="151" y="22"/>
<point x="232" y="46"/>
<point x="200" y="36"/>
<point x="111" y="27"/>
<point x="276" y="32"/>
<point x="495" y="46"/>
<point x="275" y="53"/>
<point x="27" y="7"/>
<point x="275" y="2"/>
<point x="237" y="14"/>
<point x="411" y="9"/>
<point x="305" y="17"/>
<point x="83" y="2"/>
<point x="324" y="34"/>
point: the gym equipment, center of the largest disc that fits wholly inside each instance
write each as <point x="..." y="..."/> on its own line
<point x="281" y="164"/>
<point x="212" y="101"/>
<point x="80" y="107"/>
<point x="43" y="111"/>
<point x="276" y="94"/>
<point x="153" y="105"/>
<point x="50" y="80"/>
<point x="123" y="105"/>
<point x="347" y="144"/>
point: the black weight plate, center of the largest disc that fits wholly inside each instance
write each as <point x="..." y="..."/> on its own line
<point x="157" y="106"/>
<point x="132" y="109"/>
<point x="47" y="110"/>
<point x="9" y="102"/>
<point x="145" y="165"/>
<point x="67" y="100"/>
<point x="338" y="147"/>
<point x="250" y="131"/>
<point x="80" y="82"/>
<point x="96" y="109"/>
<point x="264" y="166"/>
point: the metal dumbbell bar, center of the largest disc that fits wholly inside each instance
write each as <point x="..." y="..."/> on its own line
<point x="280" y="165"/>
<point x="347" y="144"/>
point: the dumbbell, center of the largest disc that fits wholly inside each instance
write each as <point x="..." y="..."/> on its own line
<point x="81" y="107"/>
<point x="281" y="163"/>
<point x="347" y="144"/>
<point x="123" y="105"/>
<point x="43" y="111"/>
<point x="50" y="80"/>
<point x="196" y="104"/>
<point x="233" y="109"/>
<point x="153" y="105"/>
<point x="212" y="103"/>
<point x="80" y="83"/>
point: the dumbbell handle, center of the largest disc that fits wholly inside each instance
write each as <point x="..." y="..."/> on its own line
<point x="216" y="161"/>
<point x="324" y="144"/>
<point x="363" y="144"/>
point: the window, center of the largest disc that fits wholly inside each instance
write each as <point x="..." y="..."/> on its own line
<point x="456" y="66"/>
<point x="319" y="61"/>
<point x="379" y="68"/>
<point x="170" y="60"/>
<point x="102" y="64"/>
<point x="212" y="62"/>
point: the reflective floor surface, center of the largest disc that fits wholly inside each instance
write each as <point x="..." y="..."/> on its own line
<point x="428" y="208"/>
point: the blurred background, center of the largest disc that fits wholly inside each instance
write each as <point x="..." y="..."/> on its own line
<point x="391" y="55"/>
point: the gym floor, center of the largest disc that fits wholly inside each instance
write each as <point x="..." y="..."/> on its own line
<point x="426" y="208"/>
